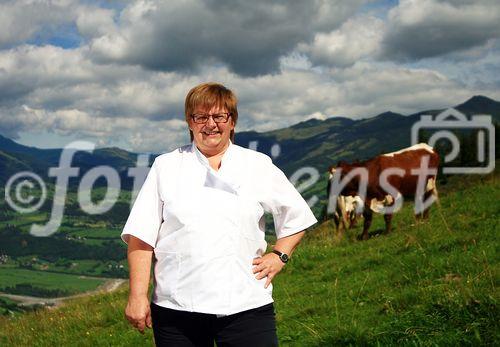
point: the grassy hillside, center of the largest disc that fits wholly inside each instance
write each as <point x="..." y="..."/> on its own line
<point x="424" y="284"/>
<point x="84" y="246"/>
<point x="433" y="283"/>
<point x="14" y="280"/>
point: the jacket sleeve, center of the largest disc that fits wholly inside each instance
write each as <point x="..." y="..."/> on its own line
<point x="290" y="211"/>
<point x="146" y="216"/>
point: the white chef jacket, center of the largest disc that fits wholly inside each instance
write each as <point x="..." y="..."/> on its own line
<point x="207" y="226"/>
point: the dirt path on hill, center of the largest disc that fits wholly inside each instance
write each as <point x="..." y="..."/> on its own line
<point x="108" y="286"/>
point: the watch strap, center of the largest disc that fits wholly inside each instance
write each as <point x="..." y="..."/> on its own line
<point x="283" y="256"/>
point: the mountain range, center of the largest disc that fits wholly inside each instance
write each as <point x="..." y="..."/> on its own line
<point x="312" y="143"/>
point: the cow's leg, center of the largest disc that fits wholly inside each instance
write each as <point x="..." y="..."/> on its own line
<point x="418" y="217"/>
<point x="338" y="222"/>
<point x="388" y="222"/>
<point x="353" y="218"/>
<point x="367" y="213"/>
<point x="425" y="213"/>
<point x="421" y="216"/>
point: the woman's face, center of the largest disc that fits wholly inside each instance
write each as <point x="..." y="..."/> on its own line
<point x="211" y="137"/>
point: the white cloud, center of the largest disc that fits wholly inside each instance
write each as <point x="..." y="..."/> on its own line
<point x="188" y="35"/>
<point x="106" y="89"/>
<point x="95" y="22"/>
<point x="357" y="38"/>
<point x="428" y="28"/>
<point x="67" y="93"/>
<point x="22" y="19"/>
<point x="363" y="90"/>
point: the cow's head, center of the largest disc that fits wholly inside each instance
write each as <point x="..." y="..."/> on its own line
<point x="352" y="187"/>
<point x="331" y="171"/>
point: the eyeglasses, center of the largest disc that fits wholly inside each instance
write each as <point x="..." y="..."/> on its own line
<point x="202" y="118"/>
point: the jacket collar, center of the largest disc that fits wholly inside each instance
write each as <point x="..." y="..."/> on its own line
<point x="204" y="160"/>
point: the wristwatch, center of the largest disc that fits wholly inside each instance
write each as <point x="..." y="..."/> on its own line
<point x="283" y="257"/>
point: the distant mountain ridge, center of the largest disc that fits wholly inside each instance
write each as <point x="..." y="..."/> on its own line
<point x="320" y="143"/>
<point x="316" y="143"/>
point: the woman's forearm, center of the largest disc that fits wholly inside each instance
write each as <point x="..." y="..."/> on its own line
<point x="289" y="243"/>
<point x="139" y="256"/>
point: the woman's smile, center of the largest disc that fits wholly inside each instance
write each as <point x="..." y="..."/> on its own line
<point x="211" y="133"/>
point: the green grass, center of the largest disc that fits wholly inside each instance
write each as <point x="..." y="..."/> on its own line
<point x="103" y="233"/>
<point x="85" y="267"/>
<point x="423" y="284"/>
<point x="434" y="283"/>
<point x="10" y="307"/>
<point x="91" y="321"/>
<point x="96" y="242"/>
<point x="10" y="277"/>
<point x="7" y="300"/>
<point x="26" y="220"/>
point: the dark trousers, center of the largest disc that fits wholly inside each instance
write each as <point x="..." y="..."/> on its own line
<point x="255" y="328"/>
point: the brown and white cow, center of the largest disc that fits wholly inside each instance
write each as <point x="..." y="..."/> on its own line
<point x="373" y="179"/>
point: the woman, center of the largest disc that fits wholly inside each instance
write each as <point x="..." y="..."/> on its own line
<point x="201" y="212"/>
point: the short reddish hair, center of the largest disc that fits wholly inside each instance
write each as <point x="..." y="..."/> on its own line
<point x="208" y="95"/>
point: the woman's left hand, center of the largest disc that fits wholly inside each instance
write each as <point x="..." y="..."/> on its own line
<point x="269" y="265"/>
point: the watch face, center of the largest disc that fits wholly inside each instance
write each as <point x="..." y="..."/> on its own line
<point x="284" y="258"/>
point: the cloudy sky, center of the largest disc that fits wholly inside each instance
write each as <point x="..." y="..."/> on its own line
<point x="116" y="72"/>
